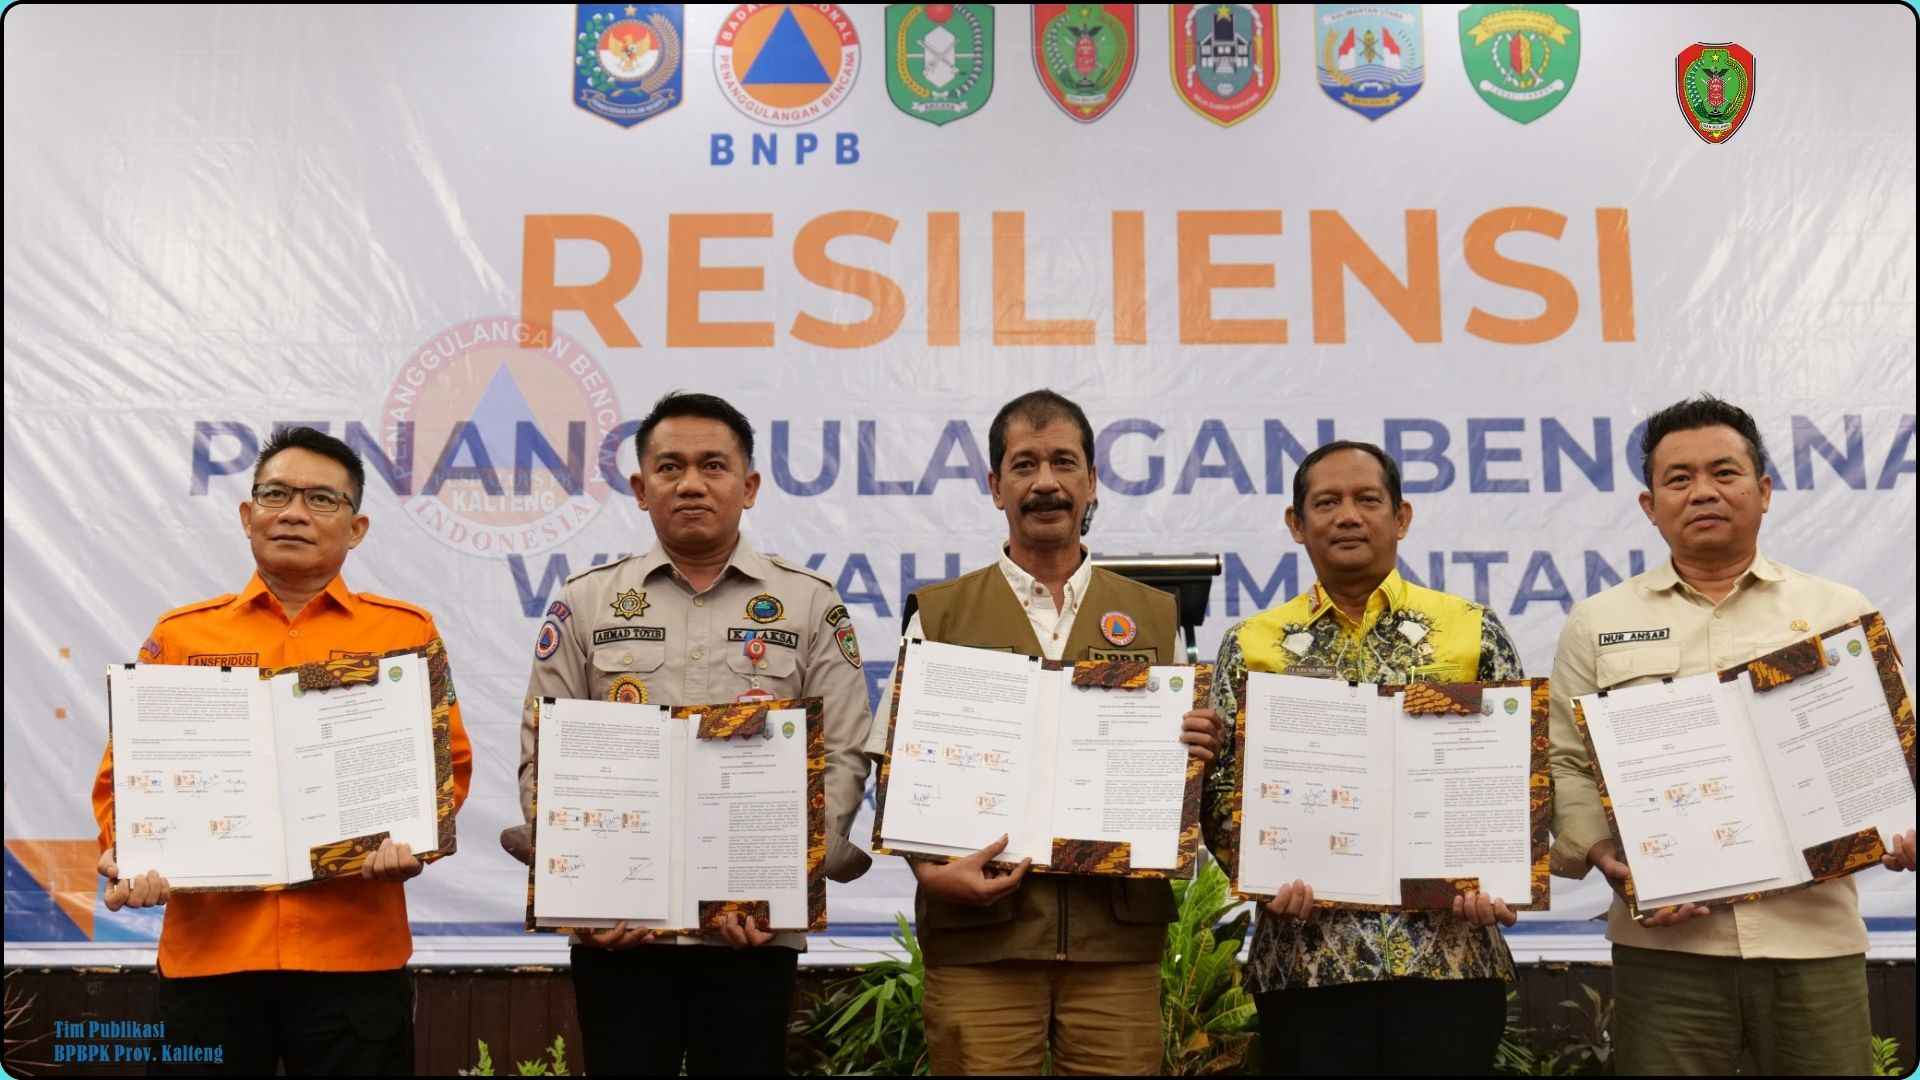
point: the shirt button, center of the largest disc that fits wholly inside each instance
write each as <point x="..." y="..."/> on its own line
<point x="699" y="601"/>
<point x="695" y="654"/>
<point x="627" y="659"/>
<point x="293" y="633"/>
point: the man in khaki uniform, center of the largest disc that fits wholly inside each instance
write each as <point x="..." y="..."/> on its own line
<point x="701" y="618"/>
<point x="1782" y="978"/>
<point x="1018" y="966"/>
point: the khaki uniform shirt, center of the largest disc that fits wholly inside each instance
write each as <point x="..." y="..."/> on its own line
<point x="635" y="630"/>
<point x="1653" y="626"/>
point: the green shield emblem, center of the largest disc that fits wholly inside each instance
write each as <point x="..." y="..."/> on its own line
<point x="939" y="59"/>
<point x="1521" y="59"/>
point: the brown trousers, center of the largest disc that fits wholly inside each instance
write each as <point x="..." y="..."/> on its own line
<point x="1677" y="1014"/>
<point x="1002" y="1018"/>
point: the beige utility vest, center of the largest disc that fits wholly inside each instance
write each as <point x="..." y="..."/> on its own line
<point x="1050" y="917"/>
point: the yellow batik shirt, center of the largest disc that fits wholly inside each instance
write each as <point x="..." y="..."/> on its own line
<point x="1408" y="634"/>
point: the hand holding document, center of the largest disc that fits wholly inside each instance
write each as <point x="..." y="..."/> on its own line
<point x="1392" y="797"/>
<point x="653" y="820"/>
<point x="1775" y="774"/>
<point x="226" y="780"/>
<point x="1082" y="768"/>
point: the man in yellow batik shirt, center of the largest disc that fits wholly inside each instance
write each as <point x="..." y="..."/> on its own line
<point x="1353" y="991"/>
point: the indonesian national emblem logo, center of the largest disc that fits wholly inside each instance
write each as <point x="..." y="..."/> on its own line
<point x="1715" y="87"/>
<point x="626" y="59"/>
<point x="1226" y="58"/>
<point x="939" y="59"/>
<point x="786" y="64"/>
<point x="1521" y="60"/>
<point x="1372" y="58"/>
<point x="1085" y="55"/>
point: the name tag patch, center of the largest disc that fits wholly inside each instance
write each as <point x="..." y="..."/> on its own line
<point x="232" y="659"/>
<point x="760" y="633"/>
<point x="629" y="633"/>
<point x="1149" y="655"/>
<point x="1630" y="637"/>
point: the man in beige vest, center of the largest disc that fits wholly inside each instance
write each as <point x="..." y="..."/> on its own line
<point x="1016" y="966"/>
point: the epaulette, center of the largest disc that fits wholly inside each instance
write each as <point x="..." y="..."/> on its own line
<point x="597" y="569"/>
<point x="814" y="574"/>
<point x="401" y="605"/>
<point x="199" y="605"/>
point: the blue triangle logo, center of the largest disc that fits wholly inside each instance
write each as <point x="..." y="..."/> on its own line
<point x="787" y="57"/>
<point x="498" y="416"/>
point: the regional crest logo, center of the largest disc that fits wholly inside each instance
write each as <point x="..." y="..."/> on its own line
<point x="786" y="64"/>
<point x="1715" y="86"/>
<point x="1085" y="55"/>
<point x="626" y="60"/>
<point x="1226" y="58"/>
<point x="1372" y="58"/>
<point x="1521" y="60"/>
<point x="939" y="59"/>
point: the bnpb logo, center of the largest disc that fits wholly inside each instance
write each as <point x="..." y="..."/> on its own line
<point x="527" y="424"/>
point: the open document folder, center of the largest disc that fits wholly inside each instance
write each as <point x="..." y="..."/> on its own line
<point x="1080" y="765"/>
<point x="1785" y="771"/>
<point x="1393" y="797"/>
<point x="671" y="818"/>
<point x="241" y="778"/>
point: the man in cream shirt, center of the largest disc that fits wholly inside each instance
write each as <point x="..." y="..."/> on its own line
<point x="1782" y="978"/>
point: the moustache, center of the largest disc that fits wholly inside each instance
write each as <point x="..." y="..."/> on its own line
<point x="1038" y="506"/>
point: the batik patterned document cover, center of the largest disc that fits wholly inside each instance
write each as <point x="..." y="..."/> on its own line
<point x="1102" y="858"/>
<point x="1443" y="699"/>
<point x="341" y="858"/>
<point x="1834" y="858"/>
<point x="736" y="718"/>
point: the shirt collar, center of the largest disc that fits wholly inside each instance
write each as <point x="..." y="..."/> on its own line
<point x="1391" y="592"/>
<point x="1664" y="577"/>
<point x="745" y="558"/>
<point x="1023" y="582"/>
<point x="257" y="591"/>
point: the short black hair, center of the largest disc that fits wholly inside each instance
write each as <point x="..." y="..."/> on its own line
<point x="319" y="442"/>
<point x="678" y="403"/>
<point x="1038" y="408"/>
<point x="1389" y="470"/>
<point x="1692" y="413"/>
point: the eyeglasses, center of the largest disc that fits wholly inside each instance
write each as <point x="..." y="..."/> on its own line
<point x="320" y="500"/>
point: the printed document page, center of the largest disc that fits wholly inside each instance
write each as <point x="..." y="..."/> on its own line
<point x="356" y="760"/>
<point x="747" y="818"/>
<point x="1461" y="801"/>
<point x="605" y="839"/>
<point x="194" y="793"/>
<point x="1121" y="772"/>
<point x="1830" y="746"/>
<point x="1319" y="791"/>
<point x="1695" y="807"/>
<point x="967" y="753"/>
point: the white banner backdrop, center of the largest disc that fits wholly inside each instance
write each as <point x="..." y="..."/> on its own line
<point x="218" y="220"/>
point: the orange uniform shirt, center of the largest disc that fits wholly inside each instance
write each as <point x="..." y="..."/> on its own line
<point x="346" y="924"/>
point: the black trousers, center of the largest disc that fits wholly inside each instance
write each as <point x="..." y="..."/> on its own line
<point x="1402" y="1026"/>
<point x="318" y="1023"/>
<point x="724" y="1010"/>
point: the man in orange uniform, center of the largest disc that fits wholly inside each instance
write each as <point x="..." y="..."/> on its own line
<point x="314" y="976"/>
